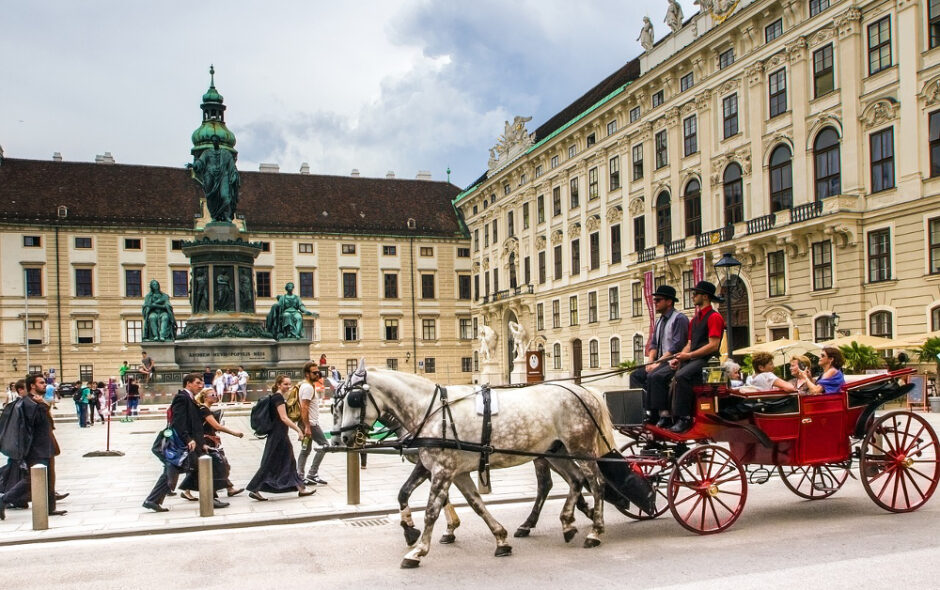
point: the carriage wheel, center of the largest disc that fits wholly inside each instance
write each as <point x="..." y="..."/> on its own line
<point x="814" y="482"/>
<point x="657" y="476"/>
<point x="899" y="461"/>
<point x="707" y="489"/>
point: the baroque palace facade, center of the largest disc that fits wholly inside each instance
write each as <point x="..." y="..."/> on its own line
<point x="802" y="136"/>
<point x="384" y="263"/>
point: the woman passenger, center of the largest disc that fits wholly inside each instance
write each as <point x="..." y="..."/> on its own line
<point x="832" y="379"/>
<point x="796" y="364"/>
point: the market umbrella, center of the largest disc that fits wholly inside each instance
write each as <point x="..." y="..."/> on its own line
<point x="782" y="349"/>
<point x="875" y="342"/>
<point x="915" y="341"/>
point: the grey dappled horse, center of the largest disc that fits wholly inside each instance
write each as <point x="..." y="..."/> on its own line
<point x="532" y="419"/>
<point x="543" y="468"/>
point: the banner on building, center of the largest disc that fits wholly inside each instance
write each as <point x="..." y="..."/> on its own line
<point x="698" y="270"/>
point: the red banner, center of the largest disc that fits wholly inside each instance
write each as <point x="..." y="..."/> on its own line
<point x="648" y="295"/>
<point x="698" y="270"/>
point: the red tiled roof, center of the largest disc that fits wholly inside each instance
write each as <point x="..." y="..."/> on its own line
<point x="96" y="194"/>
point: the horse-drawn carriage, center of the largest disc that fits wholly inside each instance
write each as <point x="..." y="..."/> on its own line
<point x="811" y="441"/>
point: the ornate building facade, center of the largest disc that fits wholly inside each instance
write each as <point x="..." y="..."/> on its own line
<point x="384" y="263"/>
<point x="802" y="136"/>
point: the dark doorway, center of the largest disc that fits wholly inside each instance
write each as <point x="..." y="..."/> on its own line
<point x="576" y="365"/>
<point x="740" y="313"/>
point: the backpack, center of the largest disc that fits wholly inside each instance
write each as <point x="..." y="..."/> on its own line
<point x="77" y="394"/>
<point x="293" y="403"/>
<point x="262" y="419"/>
<point x="15" y="435"/>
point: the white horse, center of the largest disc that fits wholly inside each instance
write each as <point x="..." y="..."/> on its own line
<point x="536" y="419"/>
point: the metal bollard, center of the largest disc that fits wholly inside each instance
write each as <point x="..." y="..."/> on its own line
<point x="206" y="492"/>
<point x="352" y="478"/>
<point x="39" y="482"/>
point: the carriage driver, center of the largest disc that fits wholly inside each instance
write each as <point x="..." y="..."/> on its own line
<point x="705" y="333"/>
<point x="670" y="333"/>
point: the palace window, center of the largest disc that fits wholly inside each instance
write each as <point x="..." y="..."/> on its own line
<point x="776" y="274"/>
<point x="882" y="159"/>
<point x="658" y="98"/>
<point x="573" y="310"/>
<point x="933" y="14"/>
<point x="350" y="331"/>
<point x="638" y="158"/>
<point x="85" y="331"/>
<point x="180" y="283"/>
<point x="817" y="6"/>
<point x="133" y="331"/>
<point x="686" y="82"/>
<point x="556" y="356"/>
<point x="594" y="243"/>
<point x="557" y="261"/>
<point x="662" y="149"/>
<point x="781" y="179"/>
<point x="615" y="352"/>
<point x="539" y="316"/>
<point x="556" y="201"/>
<point x="615" y="254"/>
<point x="879" y="45"/>
<point x="556" y="314"/>
<point x="822" y="265"/>
<point x="83" y="282"/>
<point x="390" y="284"/>
<point x="663" y="219"/>
<point x="826" y="158"/>
<point x="880" y="324"/>
<point x="593" y="191"/>
<point x="638" y="348"/>
<point x="634" y="114"/>
<point x="614" y="169"/>
<point x="463" y="287"/>
<point x="689" y="136"/>
<point x="693" y="208"/>
<point x="729" y="109"/>
<point x="132" y="243"/>
<point x="879" y="255"/>
<point x="613" y="303"/>
<point x="777" y="82"/>
<point x="933" y="237"/>
<point x="592" y="307"/>
<point x="429" y="329"/>
<point x="263" y="283"/>
<point x="542" y="273"/>
<point x="725" y="58"/>
<point x="639" y="233"/>
<point x="573" y="193"/>
<point x="612" y="127"/>
<point x="823" y="77"/>
<point x="734" y="195"/>
<point x="540" y="208"/>
<point x="391" y="330"/>
<point x="637" y="299"/>
<point x="32" y="241"/>
<point x="305" y="283"/>
<point x="593" y="360"/>
<point x="305" y="248"/>
<point x="773" y="30"/>
<point x="33" y="282"/>
<point x="350" y="290"/>
<point x="823" y="329"/>
<point x="575" y="257"/>
<point x="84" y="243"/>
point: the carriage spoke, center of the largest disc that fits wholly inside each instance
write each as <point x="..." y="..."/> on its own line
<point x="908" y="476"/>
<point x="805" y="473"/>
<point x="916" y="438"/>
<point x="688" y="515"/>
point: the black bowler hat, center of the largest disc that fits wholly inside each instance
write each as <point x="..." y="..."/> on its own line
<point x="666" y="291"/>
<point x="707" y="288"/>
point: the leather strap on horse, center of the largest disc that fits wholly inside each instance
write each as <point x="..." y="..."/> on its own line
<point x="485" y="437"/>
<point x="590" y="414"/>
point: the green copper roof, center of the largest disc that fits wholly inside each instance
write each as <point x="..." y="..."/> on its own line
<point x="213" y="121"/>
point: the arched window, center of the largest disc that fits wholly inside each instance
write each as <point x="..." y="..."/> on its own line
<point x="614" y="351"/>
<point x="556" y="355"/>
<point x="879" y="324"/>
<point x="693" y="208"/>
<point x="828" y="169"/>
<point x="593" y="355"/>
<point x="734" y="195"/>
<point x="823" y="329"/>
<point x="663" y="219"/>
<point x="781" y="179"/>
<point x="638" y="349"/>
<point x="935" y="319"/>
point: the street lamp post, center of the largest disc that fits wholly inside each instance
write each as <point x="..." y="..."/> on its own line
<point x="728" y="269"/>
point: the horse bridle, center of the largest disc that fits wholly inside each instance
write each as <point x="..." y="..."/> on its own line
<point x="356" y="395"/>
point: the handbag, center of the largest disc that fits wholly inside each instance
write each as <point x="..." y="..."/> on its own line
<point x="175" y="451"/>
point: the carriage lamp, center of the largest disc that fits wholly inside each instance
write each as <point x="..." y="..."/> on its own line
<point x="407" y="357"/>
<point x="728" y="270"/>
<point x="15" y="364"/>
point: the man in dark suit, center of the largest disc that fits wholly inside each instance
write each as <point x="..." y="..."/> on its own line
<point x="42" y="446"/>
<point x="185" y="419"/>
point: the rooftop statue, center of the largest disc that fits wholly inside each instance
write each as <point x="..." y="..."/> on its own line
<point x="674" y="16"/>
<point x="646" y="34"/>
<point x="159" y="323"/>
<point x="215" y="171"/>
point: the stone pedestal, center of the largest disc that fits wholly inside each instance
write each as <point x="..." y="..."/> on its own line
<point x="490" y="373"/>
<point x="518" y="374"/>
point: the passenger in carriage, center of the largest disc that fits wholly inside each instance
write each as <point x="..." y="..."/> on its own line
<point x="705" y="332"/>
<point x="832" y="379"/>
<point x="669" y="336"/>
<point x="797" y="364"/>
<point x="766" y="379"/>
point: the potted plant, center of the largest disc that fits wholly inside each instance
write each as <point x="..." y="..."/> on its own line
<point x="859" y="358"/>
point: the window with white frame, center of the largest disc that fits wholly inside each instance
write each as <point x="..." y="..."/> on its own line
<point x="879" y="255"/>
<point x="592" y="307"/>
<point x="133" y="330"/>
<point x="822" y="265"/>
<point x="615" y="352"/>
<point x="613" y="303"/>
<point x="85" y="331"/>
<point x="880" y="324"/>
<point x="638" y="349"/>
<point x="593" y="354"/>
<point x="556" y="356"/>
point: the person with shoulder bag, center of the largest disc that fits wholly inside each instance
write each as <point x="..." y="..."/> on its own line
<point x="220" y="465"/>
<point x="183" y="421"/>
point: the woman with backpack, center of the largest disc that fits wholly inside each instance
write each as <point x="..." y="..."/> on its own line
<point x="278" y="470"/>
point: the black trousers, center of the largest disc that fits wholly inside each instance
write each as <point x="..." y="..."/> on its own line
<point x="20" y="493"/>
<point x="166" y="483"/>
<point x="655" y="386"/>
<point x="683" y="399"/>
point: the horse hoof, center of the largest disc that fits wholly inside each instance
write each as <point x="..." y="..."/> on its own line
<point x="569" y="534"/>
<point x="503" y="551"/>
<point x="411" y="535"/>
<point x="521" y="532"/>
<point x="590" y="543"/>
<point x="408" y="564"/>
<point x="447" y="539"/>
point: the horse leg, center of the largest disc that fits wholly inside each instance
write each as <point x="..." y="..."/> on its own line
<point x="568" y="529"/>
<point x="436" y="500"/>
<point x="572" y="476"/>
<point x="469" y="491"/>
<point x="419" y="475"/>
<point x="453" y="521"/>
<point x="543" y="476"/>
<point x="595" y="482"/>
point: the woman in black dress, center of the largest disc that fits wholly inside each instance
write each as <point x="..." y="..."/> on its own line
<point x="278" y="471"/>
<point x="211" y="428"/>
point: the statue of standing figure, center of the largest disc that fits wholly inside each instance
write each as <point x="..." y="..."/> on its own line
<point x="159" y="323"/>
<point x="487" y="342"/>
<point x="674" y="16"/>
<point x="518" y="332"/>
<point x="287" y="316"/>
<point x="646" y="34"/>
<point x="215" y="170"/>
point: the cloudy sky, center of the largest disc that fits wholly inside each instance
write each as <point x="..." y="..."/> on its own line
<point x="376" y="85"/>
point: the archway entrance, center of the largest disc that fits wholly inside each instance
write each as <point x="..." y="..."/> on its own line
<point x="576" y="365"/>
<point x="740" y="313"/>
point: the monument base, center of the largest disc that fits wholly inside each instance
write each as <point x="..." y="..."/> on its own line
<point x="518" y="374"/>
<point x="490" y="373"/>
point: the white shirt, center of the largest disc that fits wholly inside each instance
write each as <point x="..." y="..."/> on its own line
<point x="219" y="385"/>
<point x="763" y="381"/>
<point x="242" y="378"/>
<point x="307" y="392"/>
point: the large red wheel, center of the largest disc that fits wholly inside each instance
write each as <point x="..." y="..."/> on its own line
<point x="707" y="489"/>
<point x="814" y="482"/>
<point x="656" y="474"/>
<point x="899" y="461"/>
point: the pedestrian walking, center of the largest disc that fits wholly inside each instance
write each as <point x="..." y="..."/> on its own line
<point x="310" y="391"/>
<point x="122" y="373"/>
<point x="242" y="384"/>
<point x="112" y="396"/>
<point x="80" y="397"/>
<point x="278" y="470"/>
<point x="101" y="396"/>
<point x="220" y="465"/>
<point x="132" y="397"/>
<point x="184" y="419"/>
